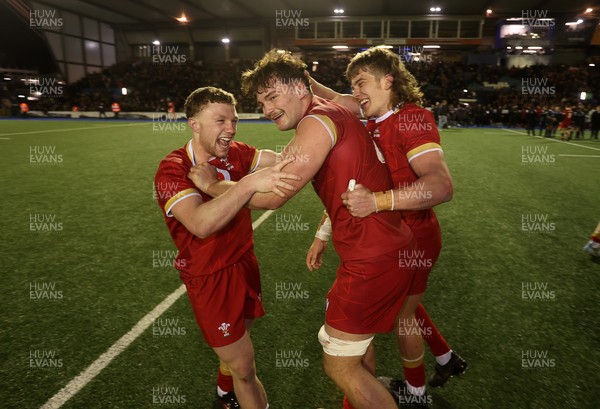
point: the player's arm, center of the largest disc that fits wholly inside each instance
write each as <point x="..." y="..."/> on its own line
<point x="434" y="186"/>
<point x="311" y="145"/>
<point x="204" y="219"/>
<point x="322" y="91"/>
<point x="314" y="256"/>
<point x="266" y="158"/>
<point x="206" y="183"/>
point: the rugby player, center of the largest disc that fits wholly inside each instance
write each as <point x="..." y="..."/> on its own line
<point x="214" y="237"/>
<point x="389" y="96"/>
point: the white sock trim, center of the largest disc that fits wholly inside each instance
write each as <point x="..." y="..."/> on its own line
<point x="414" y="390"/>
<point x="221" y="392"/>
<point x="444" y="359"/>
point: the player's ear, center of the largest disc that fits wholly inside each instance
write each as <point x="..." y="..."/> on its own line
<point x="193" y="124"/>
<point x="301" y="89"/>
<point x="389" y="80"/>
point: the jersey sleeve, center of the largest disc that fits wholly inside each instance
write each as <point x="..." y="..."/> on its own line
<point x="328" y="124"/>
<point x="418" y="132"/>
<point x="249" y="157"/>
<point x="171" y="183"/>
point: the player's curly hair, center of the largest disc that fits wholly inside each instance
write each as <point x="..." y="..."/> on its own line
<point x="201" y="97"/>
<point x="379" y="62"/>
<point x="273" y="66"/>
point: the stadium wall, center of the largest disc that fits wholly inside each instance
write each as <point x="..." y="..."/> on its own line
<point x="79" y="45"/>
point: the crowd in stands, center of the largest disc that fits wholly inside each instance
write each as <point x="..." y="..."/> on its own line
<point x="476" y="94"/>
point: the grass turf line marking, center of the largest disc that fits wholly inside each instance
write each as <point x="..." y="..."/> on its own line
<point x="550" y="139"/>
<point x="70" y="129"/>
<point x="80" y="381"/>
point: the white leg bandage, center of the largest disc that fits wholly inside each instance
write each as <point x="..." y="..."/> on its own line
<point x="340" y="347"/>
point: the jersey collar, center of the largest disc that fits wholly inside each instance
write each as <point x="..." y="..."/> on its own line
<point x="388" y="113"/>
<point x="190" y="152"/>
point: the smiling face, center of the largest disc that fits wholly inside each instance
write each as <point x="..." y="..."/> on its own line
<point x="214" y="128"/>
<point x="372" y="93"/>
<point x="284" y="102"/>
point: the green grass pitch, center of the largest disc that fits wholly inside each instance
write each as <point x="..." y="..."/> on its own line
<point x="84" y="254"/>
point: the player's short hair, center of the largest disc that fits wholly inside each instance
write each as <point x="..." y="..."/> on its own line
<point x="201" y="97"/>
<point x="380" y="62"/>
<point x="272" y="67"/>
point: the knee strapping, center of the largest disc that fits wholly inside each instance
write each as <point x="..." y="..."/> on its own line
<point x="340" y="347"/>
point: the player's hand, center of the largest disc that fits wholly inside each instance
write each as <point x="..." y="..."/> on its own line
<point x="314" y="257"/>
<point x="203" y="175"/>
<point x="271" y="179"/>
<point x="359" y="202"/>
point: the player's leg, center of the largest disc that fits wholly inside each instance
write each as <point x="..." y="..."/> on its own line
<point x="239" y="358"/>
<point x="365" y="298"/>
<point x="593" y="246"/>
<point x="225" y="304"/>
<point x="410" y="344"/>
<point x="343" y="362"/>
<point x="369" y="363"/>
<point x="448" y="362"/>
<point x="225" y="379"/>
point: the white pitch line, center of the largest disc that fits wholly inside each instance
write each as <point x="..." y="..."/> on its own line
<point x="4" y="138"/>
<point x="553" y="140"/>
<point x="261" y="219"/>
<point x="81" y="380"/>
<point x="71" y="129"/>
<point x="581" y="156"/>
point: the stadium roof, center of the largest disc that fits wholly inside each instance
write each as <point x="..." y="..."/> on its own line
<point x="148" y="12"/>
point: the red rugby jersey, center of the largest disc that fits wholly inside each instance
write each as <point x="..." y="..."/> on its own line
<point x="223" y="248"/>
<point x="402" y="135"/>
<point x="353" y="156"/>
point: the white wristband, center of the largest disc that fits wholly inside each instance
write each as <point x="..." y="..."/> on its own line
<point x="325" y="231"/>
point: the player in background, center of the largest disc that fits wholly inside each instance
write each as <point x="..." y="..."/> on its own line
<point x="565" y="126"/>
<point x="593" y="246"/>
<point x="332" y="147"/>
<point x="386" y="93"/>
<point x="171" y="114"/>
<point x="595" y="122"/>
<point x="214" y="237"/>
